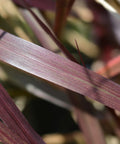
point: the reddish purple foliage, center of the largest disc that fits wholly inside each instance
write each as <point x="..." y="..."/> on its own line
<point x="47" y="65"/>
<point x="45" y="5"/>
<point x="15" y="121"/>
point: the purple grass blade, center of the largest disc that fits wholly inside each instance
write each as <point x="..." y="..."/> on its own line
<point x="54" y="68"/>
<point x="43" y="5"/>
<point x="7" y="136"/>
<point x="13" y="119"/>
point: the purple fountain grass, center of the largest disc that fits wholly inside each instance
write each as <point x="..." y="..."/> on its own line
<point x="49" y="66"/>
<point x="46" y="65"/>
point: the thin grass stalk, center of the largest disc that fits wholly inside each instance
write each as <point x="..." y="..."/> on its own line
<point x="15" y="121"/>
<point x="63" y="8"/>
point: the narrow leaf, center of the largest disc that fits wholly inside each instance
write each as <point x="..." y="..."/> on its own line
<point x="45" y="5"/>
<point x="14" y="120"/>
<point x="49" y="66"/>
<point x="7" y="136"/>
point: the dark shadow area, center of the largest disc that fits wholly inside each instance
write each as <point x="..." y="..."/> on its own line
<point x="48" y="118"/>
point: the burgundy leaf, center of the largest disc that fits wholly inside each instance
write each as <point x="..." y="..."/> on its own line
<point x="15" y="121"/>
<point x="45" y="5"/>
<point x="49" y="66"/>
<point x="7" y="136"/>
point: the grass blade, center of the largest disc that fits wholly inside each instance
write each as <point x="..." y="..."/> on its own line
<point x="45" y="5"/>
<point x="54" y="68"/>
<point x="14" y="120"/>
<point x="7" y="136"/>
